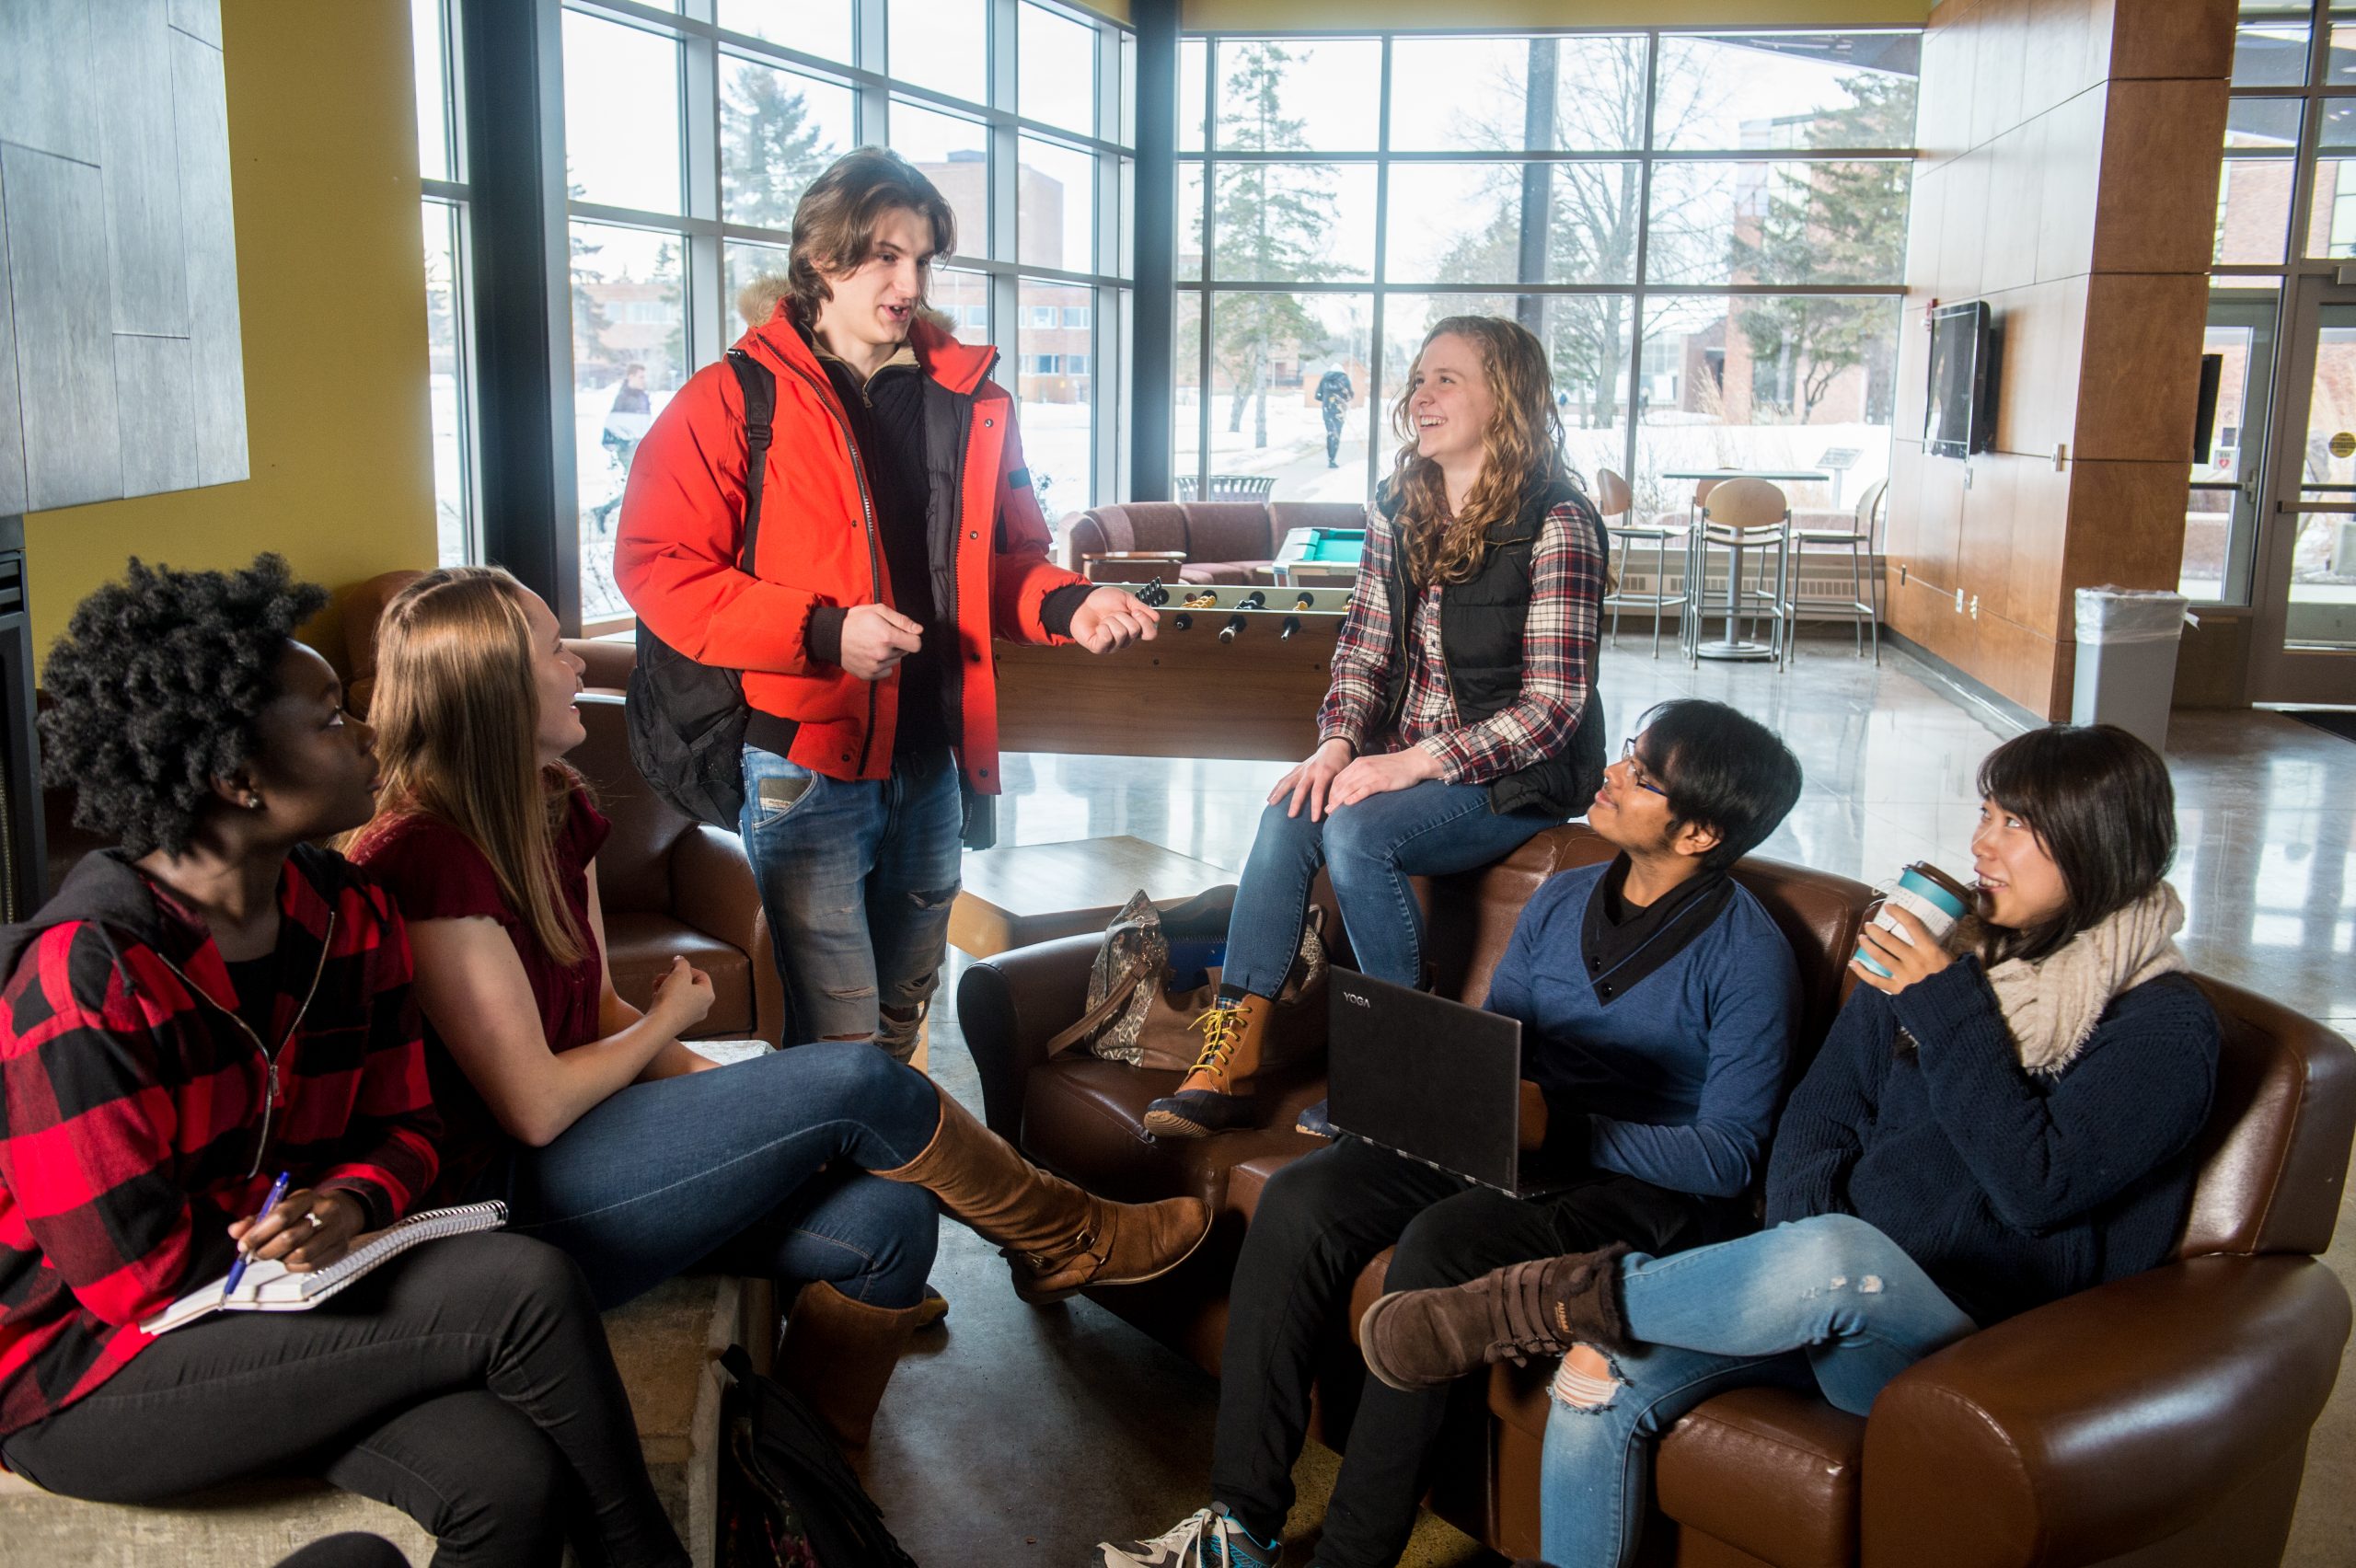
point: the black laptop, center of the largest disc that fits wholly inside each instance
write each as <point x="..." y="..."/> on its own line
<point x="1430" y="1079"/>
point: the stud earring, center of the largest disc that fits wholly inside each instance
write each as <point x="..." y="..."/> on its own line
<point x="253" y="803"/>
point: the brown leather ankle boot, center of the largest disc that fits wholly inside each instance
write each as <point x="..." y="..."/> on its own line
<point x="1058" y="1237"/>
<point x="1216" y="1094"/>
<point x="1415" y="1340"/>
<point x="839" y="1354"/>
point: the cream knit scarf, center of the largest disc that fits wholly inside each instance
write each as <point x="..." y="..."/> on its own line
<point x="2052" y="1006"/>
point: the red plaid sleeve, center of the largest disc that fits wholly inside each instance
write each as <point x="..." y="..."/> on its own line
<point x="89" y="1128"/>
<point x="1566" y="573"/>
<point x="1353" y="704"/>
<point x="393" y="1127"/>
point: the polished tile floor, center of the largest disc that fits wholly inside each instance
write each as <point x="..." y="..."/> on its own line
<point x="1021" y="1436"/>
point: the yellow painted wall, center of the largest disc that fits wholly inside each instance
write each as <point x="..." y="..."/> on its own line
<point x="1370" y="15"/>
<point x="331" y="289"/>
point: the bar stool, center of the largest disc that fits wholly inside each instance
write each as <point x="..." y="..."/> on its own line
<point x="1737" y="514"/>
<point x="1860" y="536"/>
<point x="1614" y="498"/>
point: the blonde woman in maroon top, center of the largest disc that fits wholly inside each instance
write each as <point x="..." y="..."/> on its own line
<point x="818" y="1166"/>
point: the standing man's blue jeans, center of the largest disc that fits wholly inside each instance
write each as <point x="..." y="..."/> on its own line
<point x="1369" y="849"/>
<point x="1829" y="1301"/>
<point x="856" y="879"/>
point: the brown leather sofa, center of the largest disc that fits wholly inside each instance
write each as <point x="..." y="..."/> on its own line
<point x="1223" y="541"/>
<point x="2159" y="1419"/>
<point x="668" y="883"/>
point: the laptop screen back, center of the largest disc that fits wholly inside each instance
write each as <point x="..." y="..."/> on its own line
<point x="1429" y="1078"/>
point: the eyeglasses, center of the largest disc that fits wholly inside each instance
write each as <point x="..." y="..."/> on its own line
<point x="1636" y="769"/>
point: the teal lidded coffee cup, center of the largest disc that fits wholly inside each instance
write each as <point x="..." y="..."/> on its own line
<point x="1930" y="895"/>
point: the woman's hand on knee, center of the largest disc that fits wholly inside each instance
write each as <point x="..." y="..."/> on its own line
<point x="1312" y="782"/>
<point x="1380" y="775"/>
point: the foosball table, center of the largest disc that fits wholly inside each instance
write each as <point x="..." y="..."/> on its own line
<point x="1236" y="671"/>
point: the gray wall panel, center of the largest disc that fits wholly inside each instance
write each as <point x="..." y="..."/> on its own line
<point x="12" y="430"/>
<point x="142" y="168"/>
<point x="200" y="19"/>
<point x="201" y="113"/>
<point x="49" y="77"/>
<point x="57" y="259"/>
<point x="153" y="388"/>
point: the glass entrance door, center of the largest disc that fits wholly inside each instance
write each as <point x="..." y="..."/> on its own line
<point x="2304" y="591"/>
<point x="2221" y="524"/>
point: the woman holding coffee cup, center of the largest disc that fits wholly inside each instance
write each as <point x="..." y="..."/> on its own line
<point x="1999" y="1119"/>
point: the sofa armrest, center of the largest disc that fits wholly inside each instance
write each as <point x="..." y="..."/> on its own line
<point x="1010" y="1006"/>
<point x="2088" y="1428"/>
<point x="712" y="888"/>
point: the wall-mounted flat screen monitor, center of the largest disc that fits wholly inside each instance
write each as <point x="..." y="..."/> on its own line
<point x="1961" y="417"/>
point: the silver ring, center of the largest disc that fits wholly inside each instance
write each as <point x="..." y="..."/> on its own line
<point x="314" y="1217"/>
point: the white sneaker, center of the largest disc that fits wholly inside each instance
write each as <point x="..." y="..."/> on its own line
<point x="1208" y="1538"/>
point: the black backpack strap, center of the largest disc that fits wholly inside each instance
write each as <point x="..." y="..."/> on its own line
<point x="760" y="408"/>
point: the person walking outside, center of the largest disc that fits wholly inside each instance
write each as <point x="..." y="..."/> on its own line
<point x="1335" y="395"/>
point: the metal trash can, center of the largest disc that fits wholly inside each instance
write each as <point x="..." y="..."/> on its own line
<point x="2125" y="672"/>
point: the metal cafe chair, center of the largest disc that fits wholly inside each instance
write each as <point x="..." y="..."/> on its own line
<point x="1860" y="536"/>
<point x="1614" y="498"/>
<point x="1737" y="516"/>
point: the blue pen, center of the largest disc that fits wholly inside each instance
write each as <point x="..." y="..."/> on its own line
<point x="238" y="1269"/>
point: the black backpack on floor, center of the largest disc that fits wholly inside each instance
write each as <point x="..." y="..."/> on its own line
<point x="788" y="1499"/>
<point x="687" y="719"/>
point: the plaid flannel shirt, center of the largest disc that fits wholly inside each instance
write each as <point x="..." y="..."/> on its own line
<point x="139" y="1115"/>
<point x="1566" y="575"/>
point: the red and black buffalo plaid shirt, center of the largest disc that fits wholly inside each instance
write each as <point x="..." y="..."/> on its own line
<point x="140" y="1115"/>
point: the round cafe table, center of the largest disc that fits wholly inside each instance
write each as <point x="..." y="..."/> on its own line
<point x="1729" y="646"/>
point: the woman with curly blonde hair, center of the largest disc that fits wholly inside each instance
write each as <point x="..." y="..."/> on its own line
<point x="1461" y="718"/>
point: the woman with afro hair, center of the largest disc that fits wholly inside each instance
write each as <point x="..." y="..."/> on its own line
<point x="214" y="1002"/>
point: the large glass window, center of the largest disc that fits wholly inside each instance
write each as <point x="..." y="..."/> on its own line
<point x="2286" y="205"/>
<point x="691" y="138"/>
<point x="1706" y="231"/>
<point x="449" y="343"/>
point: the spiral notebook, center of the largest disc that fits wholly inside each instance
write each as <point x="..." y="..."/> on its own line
<point x="269" y="1287"/>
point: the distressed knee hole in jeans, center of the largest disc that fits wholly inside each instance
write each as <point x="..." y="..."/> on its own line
<point x="1587" y="1381"/>
<point x="933" y="898"/>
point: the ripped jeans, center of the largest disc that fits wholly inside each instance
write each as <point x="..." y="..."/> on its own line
<point x="856" y="878"/>
<point x="1829" y="1302"/>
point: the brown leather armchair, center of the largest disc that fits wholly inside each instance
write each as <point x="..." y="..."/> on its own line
<point x="669" y="884"/>
<point x="2159" y="1420"/>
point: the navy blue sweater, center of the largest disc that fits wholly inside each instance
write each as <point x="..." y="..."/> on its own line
<point x="1674" y="1080"/>
<point x="2010" y="1190"/>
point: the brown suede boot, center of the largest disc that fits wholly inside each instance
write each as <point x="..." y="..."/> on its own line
<point x="1057" y="1237"/>
<point x="1415" y="1340"/>
<point x="839" y="1354"/>
<point x="1216" y="1094"/>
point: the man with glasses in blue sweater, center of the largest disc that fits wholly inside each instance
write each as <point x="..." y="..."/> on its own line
<point x="1657" y="1003"/>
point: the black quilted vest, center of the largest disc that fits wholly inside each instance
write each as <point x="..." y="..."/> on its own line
<point x="1481" y="623"/>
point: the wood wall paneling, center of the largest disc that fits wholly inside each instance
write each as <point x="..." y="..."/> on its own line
<point x="2071" y="186"/>
<point x="48" y="80"/>
<point x="155" y="391"/>
<point x="2016" y="188"/>
<point x="201" y="19"/>
<point x="199" y="111"/>
<point x="147" y="257"/>
<point x="2142" y="345"/>
<point x="57" y="248"/>
<point x="2126" y="526"/>
<point x="2172" y="38"/>
<point x="2020" y="589"/>
<point x="119" y="253"/>
<point x="2000" y="57"/>
<point x="1963" y="230"/>
<point x="2164" y="225"/>
<point x="12" y="430"/>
